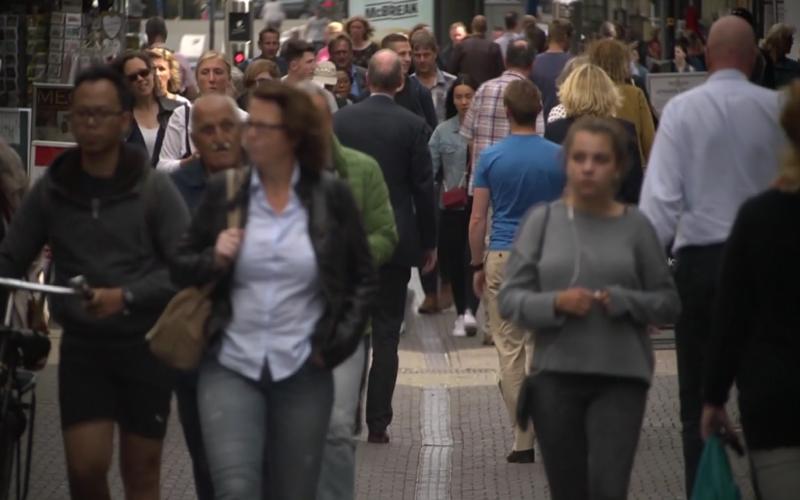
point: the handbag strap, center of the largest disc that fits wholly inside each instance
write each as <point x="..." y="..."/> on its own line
<point x="231" y="184"/>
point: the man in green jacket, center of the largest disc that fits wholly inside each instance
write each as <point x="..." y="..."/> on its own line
<point x="337" y="480"/>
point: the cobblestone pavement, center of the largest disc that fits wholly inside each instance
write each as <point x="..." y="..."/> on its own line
<point x="449" y="437"/>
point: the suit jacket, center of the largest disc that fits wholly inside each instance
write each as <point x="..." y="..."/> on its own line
<point x="398" y="140"/>
<point x="478" y="57"/>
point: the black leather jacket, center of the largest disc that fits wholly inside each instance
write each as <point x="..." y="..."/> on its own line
<point x="337" y="234"/>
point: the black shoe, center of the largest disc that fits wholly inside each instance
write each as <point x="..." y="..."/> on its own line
<point x="521" y="457"/>
<point x="378" y="437"/>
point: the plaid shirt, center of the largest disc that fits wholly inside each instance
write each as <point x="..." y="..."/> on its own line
<point x="486" y="122"/>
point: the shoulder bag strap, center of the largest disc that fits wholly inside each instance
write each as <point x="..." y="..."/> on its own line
<point x="543" y="232"/>
<point x="231" y="185"/>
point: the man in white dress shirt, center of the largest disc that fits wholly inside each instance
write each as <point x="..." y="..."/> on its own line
<point x="717" y="145"/>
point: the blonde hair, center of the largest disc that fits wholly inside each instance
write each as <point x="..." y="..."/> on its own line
<point x="588" y="90"/>
<point x="614" y="57"/>
<point x="789" y="175"/>
<point x="208" y="56"/>
<point x="174" y="82"/>
<point x="778" y="39"/>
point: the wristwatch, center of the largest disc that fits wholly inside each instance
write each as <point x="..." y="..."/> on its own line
<point x="476" y="267"/>
<point x="127" y="300"/>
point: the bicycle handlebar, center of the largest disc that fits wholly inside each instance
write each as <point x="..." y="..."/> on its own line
<point x="14" y="284"/>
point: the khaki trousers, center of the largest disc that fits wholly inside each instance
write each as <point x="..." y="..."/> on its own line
<point x="512" y="344"/>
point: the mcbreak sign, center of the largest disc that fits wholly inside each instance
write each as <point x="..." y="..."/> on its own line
<point x="388" y="16"/>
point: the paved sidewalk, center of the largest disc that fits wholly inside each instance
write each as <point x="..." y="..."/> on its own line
<point x="449" y="437"/>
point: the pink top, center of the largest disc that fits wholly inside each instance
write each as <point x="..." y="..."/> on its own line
<point x="323" y="55"/>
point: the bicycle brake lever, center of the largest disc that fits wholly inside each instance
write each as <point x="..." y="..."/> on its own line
<point x="81" y="286"/>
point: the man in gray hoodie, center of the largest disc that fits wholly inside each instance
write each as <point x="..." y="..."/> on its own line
<point x="109" y="217"/>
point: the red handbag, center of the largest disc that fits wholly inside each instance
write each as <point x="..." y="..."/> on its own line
<point x="456" y="197"/>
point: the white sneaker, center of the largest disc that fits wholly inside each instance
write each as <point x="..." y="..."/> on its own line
<point x="458" y="327"/>
<point x="469" y="320"/>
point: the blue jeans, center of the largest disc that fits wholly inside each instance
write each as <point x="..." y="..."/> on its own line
<point x="337" y="481"/>
<point x="264" y="439"/>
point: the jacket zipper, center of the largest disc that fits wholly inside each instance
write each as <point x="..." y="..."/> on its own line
<point x="95" y="208"/>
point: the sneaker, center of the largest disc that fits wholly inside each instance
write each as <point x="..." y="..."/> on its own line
<point x="470" y="323"/>
<point x="458" y="327"/>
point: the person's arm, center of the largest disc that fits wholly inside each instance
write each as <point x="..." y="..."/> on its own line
<point x="478" y="223"/>
<point x="26" y="235"/>
<point x="193" y="262"/>
<point x="661" y="199"/>
<point x="428" y="109"/>
<point x="521" y="299"/>
<point x="169" y="218"/>
<point x="498" y="65"/>
<point x="435" y="144"/>
<point x="647" y="129"/>
<point x="422" y="189"/>
<point x="173" y="148"/>
<point x="733" y="310"/>
<point x="379" y="216"/>
<point x="656" y="302"/>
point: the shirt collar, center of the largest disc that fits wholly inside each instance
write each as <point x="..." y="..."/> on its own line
<point x="727" y="74"/>
<point x="255" y="180"/>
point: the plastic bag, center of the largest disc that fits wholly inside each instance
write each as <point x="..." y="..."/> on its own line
<point x="714" y="480"/>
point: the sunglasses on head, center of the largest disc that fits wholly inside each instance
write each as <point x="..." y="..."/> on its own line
<point x="144" y="73"/>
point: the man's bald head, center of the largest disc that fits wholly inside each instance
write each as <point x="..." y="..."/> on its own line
<point x="731" y="45"/>
<point x="217" y="131"/>
<point x="211" y="104"/>
<point x="385" y="72"/>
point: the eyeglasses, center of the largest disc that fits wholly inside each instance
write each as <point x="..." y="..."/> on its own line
<point x="263" y="127"/>
<point x="144" y="73"/>
<point x="83" y="115"/>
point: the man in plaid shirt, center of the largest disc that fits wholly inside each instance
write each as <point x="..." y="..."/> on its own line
<point x="486" y="122"/>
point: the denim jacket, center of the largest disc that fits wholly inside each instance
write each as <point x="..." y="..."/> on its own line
<point x="449" y="152"/>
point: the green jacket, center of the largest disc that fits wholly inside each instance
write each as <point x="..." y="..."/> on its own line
<point x="365" y="178"/>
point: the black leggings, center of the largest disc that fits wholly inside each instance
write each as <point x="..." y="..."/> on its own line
<point x="454" y="258"/>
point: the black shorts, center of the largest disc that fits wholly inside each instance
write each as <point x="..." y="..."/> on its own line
<point x="120" y="381"/>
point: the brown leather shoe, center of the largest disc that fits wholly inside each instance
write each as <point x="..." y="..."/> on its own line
<point x="378" y="437"/>
<point x="429" y="306"/>
<point x="445" y="297"/>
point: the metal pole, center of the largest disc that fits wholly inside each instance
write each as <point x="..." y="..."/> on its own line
<point x="211" y="16"/>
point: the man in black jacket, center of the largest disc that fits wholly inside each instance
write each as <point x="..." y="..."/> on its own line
<point x="107" y="215"/>
<point x="412" y="95"/>
<point x="477" y="56"/>
<point x="398" y="139"/>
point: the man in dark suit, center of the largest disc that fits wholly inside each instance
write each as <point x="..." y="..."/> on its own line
<point x="476" y="56"/>
<point x="398" y="139"/>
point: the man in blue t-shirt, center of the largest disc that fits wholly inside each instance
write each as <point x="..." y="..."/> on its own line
<point x="513" y="175"/>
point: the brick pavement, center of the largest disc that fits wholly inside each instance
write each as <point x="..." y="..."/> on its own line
<point x="481" y="433"/>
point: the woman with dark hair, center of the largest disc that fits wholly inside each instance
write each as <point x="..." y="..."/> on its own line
<point x="360" y="32"/>
<point x="587" y="274"/>
<point x="151" y="110"/>
<point x="294" y="285"/>
<point x="680" y="63"/>
<point x="449" y="153"/>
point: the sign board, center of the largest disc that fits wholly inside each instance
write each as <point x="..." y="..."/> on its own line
<point x="51" y="102"/>
<point x="42" y="155"/>
<point x="389" y="16"/>
<point x="15" y="128"/>
<point x="664" y="86"/>
<point x="192" y="46"/>
<point x="239" y="27"/>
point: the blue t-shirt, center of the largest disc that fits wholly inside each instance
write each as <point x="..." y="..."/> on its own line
<point x="519" y="171"/>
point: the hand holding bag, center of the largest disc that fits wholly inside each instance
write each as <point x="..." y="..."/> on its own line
<point x="179" y="337"/>
<point x="714" y="479"/>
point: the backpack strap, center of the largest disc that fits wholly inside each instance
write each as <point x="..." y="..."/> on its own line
<point x="186" y="129"/>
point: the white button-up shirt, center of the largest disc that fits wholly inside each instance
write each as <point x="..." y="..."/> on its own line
<point x="717" y="145"/>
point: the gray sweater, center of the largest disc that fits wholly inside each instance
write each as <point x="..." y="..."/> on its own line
<point x="619" y="254"/>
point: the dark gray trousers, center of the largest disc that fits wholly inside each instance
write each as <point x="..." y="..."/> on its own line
<point x="588" y="428"/>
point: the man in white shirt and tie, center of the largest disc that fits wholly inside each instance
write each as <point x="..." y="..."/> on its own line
<point x="717" y="145"/>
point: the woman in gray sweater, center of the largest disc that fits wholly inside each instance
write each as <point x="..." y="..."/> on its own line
<point x="587" y="274"/>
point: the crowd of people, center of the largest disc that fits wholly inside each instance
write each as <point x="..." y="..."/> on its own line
<point x="513" y="173"/>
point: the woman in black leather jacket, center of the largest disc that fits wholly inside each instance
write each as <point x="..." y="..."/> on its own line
<point x="295" y="281"/>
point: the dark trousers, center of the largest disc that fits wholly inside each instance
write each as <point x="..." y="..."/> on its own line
<point x="454" y="258"/>
<point x="386" y="320"/>
<point x="696" y="279"/>
<point x="588" y="428"/>
<point x="186" y="392"/>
